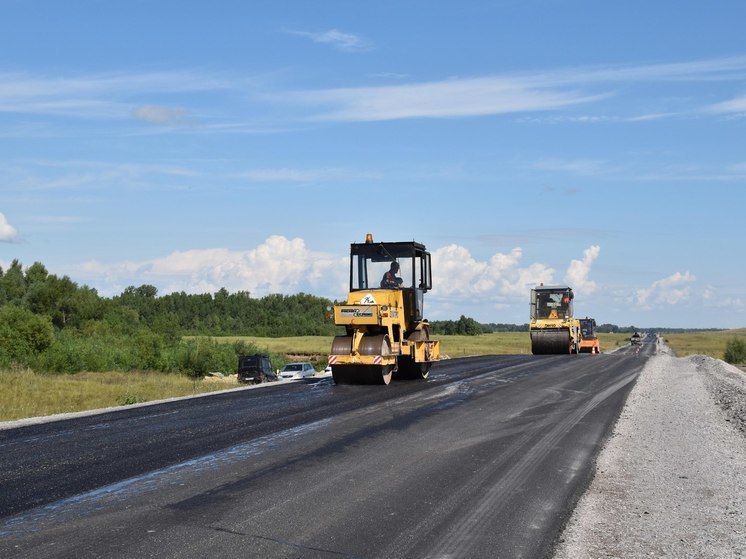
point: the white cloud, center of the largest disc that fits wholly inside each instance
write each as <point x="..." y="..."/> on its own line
<point x="346" y="42"/>
<point x="8" y="233"/>
<point x="278" y="265"/>
<point x="577" y="273"/>
<point x="293" y="175"/>
<point x="711" y="298"/>
<point x="669" y="291"/>
<point x="120" y="95"/>
<point x="163" y="116"/>
<point x="441" y="99"/>
<point x="457" y="274"/>
<point x="504" y="94"/>
<point x="582" y="167"/>
<point x="737" y="105"/>
<point x="282" y="265"/>
<point x="95" y="95"/>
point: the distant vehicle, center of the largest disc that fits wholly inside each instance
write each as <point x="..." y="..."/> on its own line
<point x="254" y="369"/>
<point x="297" y="370"/>
<point x="636" y="339"/>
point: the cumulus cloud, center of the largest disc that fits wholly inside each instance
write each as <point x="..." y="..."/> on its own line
<point x="577" y="273"/>
<point x="163" y="116"/>
<point x="278" y="265"/>
<point x="8" y="233"/>
<point x="457" y="274"/>
<point x="340" y="40"/>
<point x="282" y="265"/>
<point x="669" y="291"/>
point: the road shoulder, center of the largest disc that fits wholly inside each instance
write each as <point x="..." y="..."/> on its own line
<point x="669" y="482"/>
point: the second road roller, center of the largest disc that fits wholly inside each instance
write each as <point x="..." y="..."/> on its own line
<point x="553" y="327"/>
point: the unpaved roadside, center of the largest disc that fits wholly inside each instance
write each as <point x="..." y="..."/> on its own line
<point x="671" y="480"/>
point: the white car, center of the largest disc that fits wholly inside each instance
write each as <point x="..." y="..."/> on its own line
<point x="297" y="370"/>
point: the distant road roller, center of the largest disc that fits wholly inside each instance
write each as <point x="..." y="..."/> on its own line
<point x="553" y="327"/>
<point x="589" y="342"/>
<point x="385" y="333"/>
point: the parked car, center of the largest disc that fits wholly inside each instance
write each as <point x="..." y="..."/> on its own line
<point x="254" y="369"/>
<point x="297" y="370"/>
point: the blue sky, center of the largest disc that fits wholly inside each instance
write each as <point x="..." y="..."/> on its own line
<point x="199" y="145"/>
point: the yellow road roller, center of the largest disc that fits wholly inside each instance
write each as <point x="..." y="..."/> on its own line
<point x="553" y="327"/>
<point x="385" y="333"/>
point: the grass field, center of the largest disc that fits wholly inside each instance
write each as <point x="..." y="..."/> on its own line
<point x="27" y="394"/>
<point x="703" y="343"/>
<point x="501" y="343"/>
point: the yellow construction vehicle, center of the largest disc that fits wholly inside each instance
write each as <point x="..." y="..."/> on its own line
<point x="553" y="327"/>
<point x="589" y="342"/>
<point x="385" y="332"/>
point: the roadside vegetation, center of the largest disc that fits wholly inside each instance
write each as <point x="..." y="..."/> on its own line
<point x="497" y="343"/>
<point x="25" y="394"/>
<point x="64" y="348"/>
<point x="729" y="345"/>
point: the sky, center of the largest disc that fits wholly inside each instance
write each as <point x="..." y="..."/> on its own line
<point x="200" y="145"/>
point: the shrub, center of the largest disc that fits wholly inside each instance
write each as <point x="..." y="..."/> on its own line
<point x="735" y="351"/>
<point x="195" y="358"/>
<point x="22" y="334"/>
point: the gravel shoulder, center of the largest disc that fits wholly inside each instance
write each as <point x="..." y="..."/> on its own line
<point x="671" y="479"/>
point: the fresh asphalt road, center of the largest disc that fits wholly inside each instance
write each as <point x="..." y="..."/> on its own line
<point x="484" y="459"/>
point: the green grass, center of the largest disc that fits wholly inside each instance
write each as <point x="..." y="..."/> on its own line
<point x="703" y="343"/>
<point x="26" y="394"/>
<point x="501" y="343"/>
<point x="295" y="345"/>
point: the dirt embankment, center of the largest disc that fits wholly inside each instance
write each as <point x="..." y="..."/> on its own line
<point x="671" y="480"/>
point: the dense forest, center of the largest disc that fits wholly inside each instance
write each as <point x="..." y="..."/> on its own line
<point x="51" y="324"/>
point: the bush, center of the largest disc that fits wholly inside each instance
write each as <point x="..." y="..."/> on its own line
<point x="22" y="335"/>
<point x="72" y="352"/>
<point x="196" y="358"/>
<point x="735" y="351"/>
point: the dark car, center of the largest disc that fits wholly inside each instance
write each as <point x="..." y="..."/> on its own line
<point x="255" y="369"/>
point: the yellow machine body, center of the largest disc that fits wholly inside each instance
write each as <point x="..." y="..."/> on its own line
<point x="553" y="328"/>
<point x="589" y="342"/>
<point x="385" y="334"/>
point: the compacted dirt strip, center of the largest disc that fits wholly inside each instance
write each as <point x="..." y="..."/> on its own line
<point x="671" y="480"/>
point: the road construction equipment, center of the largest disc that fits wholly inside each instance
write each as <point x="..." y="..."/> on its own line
<point x="589" y="341"/>
<point x="553" y="327"/>
<point x="385" y="332"/>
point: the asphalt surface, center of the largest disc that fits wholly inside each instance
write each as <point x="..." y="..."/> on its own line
<point x="486" y="458"/>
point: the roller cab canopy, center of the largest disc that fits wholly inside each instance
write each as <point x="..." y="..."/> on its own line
<point x="371" y="260"/>
<point x="551" y="301"/>
<point x="588" y="328"/>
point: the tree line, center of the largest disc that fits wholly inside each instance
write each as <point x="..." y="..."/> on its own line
<point x="52" y="324"/>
